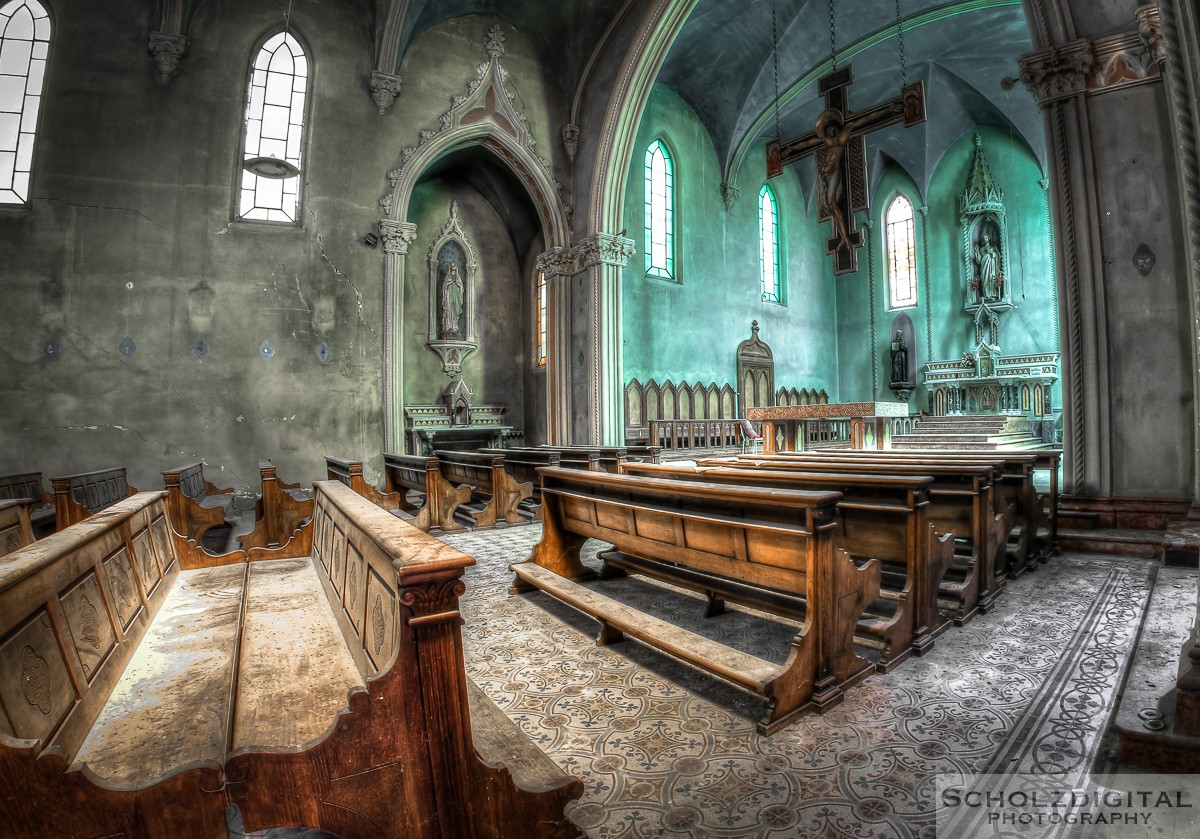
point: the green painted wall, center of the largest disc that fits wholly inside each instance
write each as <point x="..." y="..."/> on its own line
<point x="939" y="319"/>
<point x="689" y="330"/>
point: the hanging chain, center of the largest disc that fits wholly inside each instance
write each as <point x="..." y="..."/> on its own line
<point x="900" y="40"/>
<point x="775" y="55"/>
<point x="832" y="37"/>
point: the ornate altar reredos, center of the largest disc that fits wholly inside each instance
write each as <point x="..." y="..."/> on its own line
<point x="981" y="215"/>
<point x="452" y="278"/>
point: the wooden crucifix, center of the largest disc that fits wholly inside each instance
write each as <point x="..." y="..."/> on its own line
<point x="839" y="145"/>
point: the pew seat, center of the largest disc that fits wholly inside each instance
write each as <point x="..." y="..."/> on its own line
<point x="437" y="500"/>
<point x="777" y="544"/>
<point x="279" y="512"/>
<point x="41" y="509"/>
<point x="495" y="495"/>
<point x="196" y="504"/>
<point x="321" y="684"/>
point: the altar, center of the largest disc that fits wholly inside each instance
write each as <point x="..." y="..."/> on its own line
<point x="845" y="425"/>
<point x="430" y="427"/>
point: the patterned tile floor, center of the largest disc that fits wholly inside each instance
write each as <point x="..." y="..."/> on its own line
<point x="666" y="751"/>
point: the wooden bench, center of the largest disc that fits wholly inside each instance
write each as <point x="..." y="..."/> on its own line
<point x="409" y="472"/>
<point x="523" y="464"/>
<point x="599" y="458"/>
<point x="879" y="517"/>
<point x="196" y="505"/>
<point x="495" y="494"/>
<point x="78" y="496"/>
<point x="961" y="502"/>
<point x="41" y="510"/>
<point x="321" y="685"/>
<point x="279" y="512"/>
<point x="350" y="472"/>
<point x="1017" y="497"/>
<point x="16" y="529"/>
<point x="770" y="545"/>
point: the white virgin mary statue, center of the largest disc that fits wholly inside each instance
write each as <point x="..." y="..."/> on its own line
<point x="452" y="304"/>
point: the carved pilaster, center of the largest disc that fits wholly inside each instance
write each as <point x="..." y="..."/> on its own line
<point x="1057" y="73"/>
<point x="397" y="235"/>
<point x="730" y="193"/>
<point x="166" y="51"/>
<point x="1150" y="31"/>
<point x="384" y="89"/>
<point x="570" y="140"/>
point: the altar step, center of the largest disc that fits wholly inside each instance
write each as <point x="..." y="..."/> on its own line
<point x="970" y="433"/>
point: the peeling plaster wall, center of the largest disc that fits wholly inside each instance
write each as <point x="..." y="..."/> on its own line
<point x="133" y="194"/>
<point x="689" y="331"/>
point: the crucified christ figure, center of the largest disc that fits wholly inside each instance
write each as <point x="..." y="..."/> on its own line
<point x="834" y="133"/>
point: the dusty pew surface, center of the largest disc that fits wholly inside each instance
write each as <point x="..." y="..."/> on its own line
<point x="961" y="502"/>
<point x="29" y="485"/>
<point x="408" y="473"/>
<point x="196" y="505"/>
<point x="78" y="496"/>
<point x="882" y="517"/>
<point x="496" y="496"/>
<point x="350" y="473"/>
<point x="1016" y="496"/>
<point x="16" y="529"/>
<point x="147" y="686"/>
<point x="523" y="464"/>
<point x="771" y="545"/>
<point x="601" y="458"/>
<point x="279" y="512"/>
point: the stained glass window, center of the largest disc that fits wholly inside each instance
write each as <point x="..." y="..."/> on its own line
<point x="768" y="245"/>
<point x="660" y="212"/>
<point x="541" y="319"/>
<point x="902" y="254"/>
<point x="274" y="131"/>
<point x="24" y="47"/>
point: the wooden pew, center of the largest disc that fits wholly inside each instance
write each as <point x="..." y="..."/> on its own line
<point x="405" y="472"/>
<point x="879" y="517"/>
<point x="769" y="546"/>
<point x="321" y="685"/>
<point x="16" y="529"/>
<point x="493" y="488"/>
<point x="1015" y="493"/>
<point x="606" y="458"/>
<point x="961" y="502"/>
<point x="196" y="505"/>
<point x="279" y="512"/>
<point x="41" y="510"/>
<point x="78" y="496"/>
<point x="576" y="457"/>
<point x="523" y="464"/>
<point x="350" y="472"/>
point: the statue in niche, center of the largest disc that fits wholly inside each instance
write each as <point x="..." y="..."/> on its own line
<point x="990" y="277"/>
<point x="899" y="359"/>
<point x="450" y="324"/>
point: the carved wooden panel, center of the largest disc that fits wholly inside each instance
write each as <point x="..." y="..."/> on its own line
<point x="121" y="587"/>
<point x="356" y="583"/>
<point x="320" y="525"/>
<point x="146" y="563"/>
<point x="35" y="687"/>
<point x="90" y="628"/>
<point x="380" y="637"/>
<point x="164" y="546"/>
<point x="10" y="539"/>
<point x="337" y="558"/>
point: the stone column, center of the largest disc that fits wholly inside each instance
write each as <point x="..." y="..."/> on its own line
<point x="1058" y="79"/>
<point x="557" y="266"/>
<point x="397" y="236"/>
<point x="596" y="373"/>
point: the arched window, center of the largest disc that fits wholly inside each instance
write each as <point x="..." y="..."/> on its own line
<point x="768" y="245"/>
<point x="274" y="131"/>
<point x="24" y="46"/>
<point x="900" y="243"/>
<point x="541" y="319"/>
<point x="660" y="212"/>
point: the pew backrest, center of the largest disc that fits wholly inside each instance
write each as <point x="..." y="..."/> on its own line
<point x="78" y="496"/>
<point x="16" y="529"/>
<point x="350" y="473"/>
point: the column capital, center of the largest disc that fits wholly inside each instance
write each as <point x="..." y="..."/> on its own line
<point x="166" y="51"/>
<point x="604" y="249"/>
<point x="397" y="235"/>
<point x="1059" y="72"/>
<point x="384" y="87"/>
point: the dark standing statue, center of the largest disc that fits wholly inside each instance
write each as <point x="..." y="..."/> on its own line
<point x="899" y="359"/>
